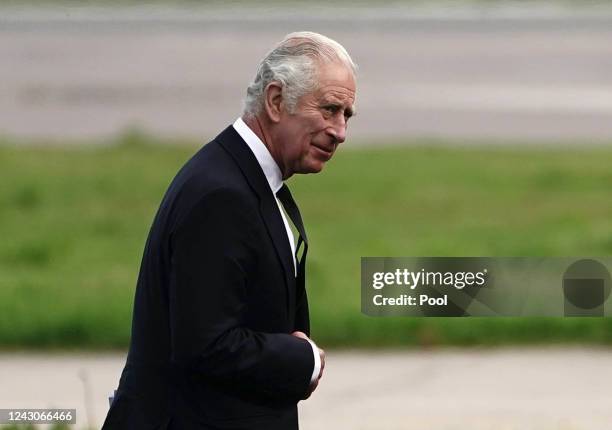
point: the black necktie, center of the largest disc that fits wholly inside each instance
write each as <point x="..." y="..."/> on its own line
<point x="284" y="195"/>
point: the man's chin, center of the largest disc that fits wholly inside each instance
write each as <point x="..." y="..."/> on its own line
<point x="316" y="167"/>
<point x="311" y="165"/>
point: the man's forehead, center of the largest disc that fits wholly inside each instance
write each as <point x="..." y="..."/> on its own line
<point x="335" y="73"/>
<point x="336" y="92"/>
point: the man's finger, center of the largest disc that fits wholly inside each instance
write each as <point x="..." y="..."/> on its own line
<point x="322" y="356"/>
<point x="299" y="334"/>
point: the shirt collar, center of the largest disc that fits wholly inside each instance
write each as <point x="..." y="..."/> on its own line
<point x="263" y="156"/>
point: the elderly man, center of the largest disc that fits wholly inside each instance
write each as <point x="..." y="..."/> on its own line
<point x="220" y="332"/>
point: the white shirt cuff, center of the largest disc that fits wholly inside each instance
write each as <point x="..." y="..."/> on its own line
<point x="317" y="362"/>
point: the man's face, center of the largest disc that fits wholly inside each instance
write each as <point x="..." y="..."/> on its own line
<point x="308" y="137"/>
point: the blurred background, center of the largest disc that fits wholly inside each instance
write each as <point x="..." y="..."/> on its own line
<point x="483" y="129"/>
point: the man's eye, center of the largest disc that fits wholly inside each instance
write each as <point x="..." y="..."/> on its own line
<point x="331" y="109"/>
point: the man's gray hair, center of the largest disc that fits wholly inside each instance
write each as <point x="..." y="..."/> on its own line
<point x="293" y="63"/>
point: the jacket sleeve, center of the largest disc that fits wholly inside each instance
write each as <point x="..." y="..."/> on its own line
<point x="213" y="249"/>
<point x="302" y="321"/>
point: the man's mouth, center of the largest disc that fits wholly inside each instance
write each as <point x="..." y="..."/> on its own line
<point x="324" y="151"/>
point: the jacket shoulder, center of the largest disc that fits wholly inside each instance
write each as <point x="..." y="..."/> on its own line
<point x="210" y="176"/>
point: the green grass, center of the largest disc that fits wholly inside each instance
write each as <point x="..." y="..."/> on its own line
<point x="73" y="222"/>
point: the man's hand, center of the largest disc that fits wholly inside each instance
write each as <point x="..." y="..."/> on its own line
<point x="315" y="384"/>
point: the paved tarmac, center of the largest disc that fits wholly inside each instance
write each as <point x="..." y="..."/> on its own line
<point x="473" y="72"/>
<point x="498" y="389"/>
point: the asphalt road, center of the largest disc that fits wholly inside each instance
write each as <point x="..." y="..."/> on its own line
<point x="541" y="73"/>
<point x="506" y="389"/>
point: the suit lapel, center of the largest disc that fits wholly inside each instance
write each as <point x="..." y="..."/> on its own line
<point x="231" y="141"/>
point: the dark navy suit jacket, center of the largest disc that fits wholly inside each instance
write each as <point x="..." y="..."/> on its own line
<point x="216" y="301"/>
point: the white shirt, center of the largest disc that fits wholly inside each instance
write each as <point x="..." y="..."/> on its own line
<point x="275" y="181"/>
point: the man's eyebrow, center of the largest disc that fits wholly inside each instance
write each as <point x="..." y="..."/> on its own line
<point x="350" y="110"/>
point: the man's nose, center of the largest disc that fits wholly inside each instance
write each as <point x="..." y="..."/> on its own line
<point x="338" y="129"/>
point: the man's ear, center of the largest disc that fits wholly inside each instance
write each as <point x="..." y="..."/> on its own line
<point x="273" y="101"/>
